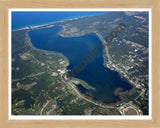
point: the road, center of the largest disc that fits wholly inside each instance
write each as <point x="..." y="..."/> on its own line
<point x="40" y="73"/>
<point x="44" y="107"/>
<point x="71" y="85"/>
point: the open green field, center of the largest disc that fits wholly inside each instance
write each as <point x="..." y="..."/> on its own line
<point x="130" y="111"/>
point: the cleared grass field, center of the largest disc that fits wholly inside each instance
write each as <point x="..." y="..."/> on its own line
<point x="130" y="111"/>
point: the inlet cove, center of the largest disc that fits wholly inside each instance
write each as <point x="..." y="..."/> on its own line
<point x="105" y="83"/>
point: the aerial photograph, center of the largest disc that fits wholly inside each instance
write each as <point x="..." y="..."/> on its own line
<point x="79" y="63"/>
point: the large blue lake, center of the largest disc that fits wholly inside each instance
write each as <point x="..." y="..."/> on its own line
<point x="95" y="74"/>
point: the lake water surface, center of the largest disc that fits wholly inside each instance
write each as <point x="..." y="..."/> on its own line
<point x="104" y="80"/>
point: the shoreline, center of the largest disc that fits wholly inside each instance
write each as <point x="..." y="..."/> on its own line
<point x="78" y="80"/>
<point x="121" y="74"/>
<point x="34" y="48"/>
<point x="51" y="23"/>
<point x="82" y="95"/>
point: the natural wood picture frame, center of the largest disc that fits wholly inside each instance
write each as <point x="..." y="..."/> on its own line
<point x="4" y="32"/>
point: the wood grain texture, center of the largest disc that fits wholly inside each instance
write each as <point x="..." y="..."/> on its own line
<point x="6" y="4"/>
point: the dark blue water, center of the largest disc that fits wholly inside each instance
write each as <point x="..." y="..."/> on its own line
<point x="81" y="88"/>
<point x="95" y="74"/>
<point x="22" y="19"/>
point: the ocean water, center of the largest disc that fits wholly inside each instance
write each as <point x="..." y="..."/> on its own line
<point x="21" y="19"/>
<point x="104" y="80"/>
